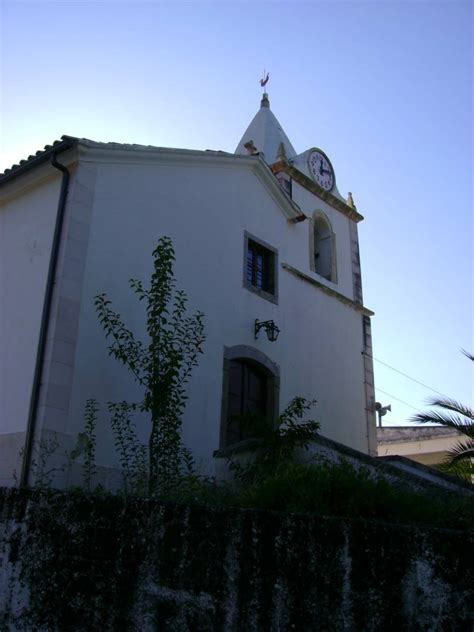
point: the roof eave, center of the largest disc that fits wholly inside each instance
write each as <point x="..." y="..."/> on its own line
<point x="39" y="158"/>
<point x="91" y="150"/>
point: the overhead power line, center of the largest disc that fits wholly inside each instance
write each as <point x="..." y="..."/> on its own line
<point x="398" y="399"/>
<point x="406" y="375"/>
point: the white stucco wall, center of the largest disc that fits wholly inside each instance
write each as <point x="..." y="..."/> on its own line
<point x="118" y="205"/>
<point x="26" y="230"/>
<point x="309" y="203"/>
<point x="205" y="209"/>
<point x="27" y="218"/>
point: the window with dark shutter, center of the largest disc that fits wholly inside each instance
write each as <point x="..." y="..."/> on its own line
<point x="260" y="265"/>
<point x="260" y="274"/>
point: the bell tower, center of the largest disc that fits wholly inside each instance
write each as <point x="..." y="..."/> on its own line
<point x="332" y="262"/>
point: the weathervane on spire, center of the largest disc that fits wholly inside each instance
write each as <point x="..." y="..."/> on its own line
<point x="264" y="80"/>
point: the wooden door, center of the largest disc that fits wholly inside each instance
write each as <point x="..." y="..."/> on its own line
<point x="247" y="394"/>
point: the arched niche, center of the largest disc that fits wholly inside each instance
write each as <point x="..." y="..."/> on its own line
<point x="322" y="247"/>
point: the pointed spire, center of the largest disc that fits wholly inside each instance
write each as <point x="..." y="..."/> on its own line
<point x="281" y="155"/>
<point x="350" y="201"/>
<point x="267" y="135"/>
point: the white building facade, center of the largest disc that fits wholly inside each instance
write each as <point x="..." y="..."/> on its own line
<point x="260" y="234"/>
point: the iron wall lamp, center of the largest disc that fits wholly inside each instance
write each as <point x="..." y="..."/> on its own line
<point x="271" y="329"/>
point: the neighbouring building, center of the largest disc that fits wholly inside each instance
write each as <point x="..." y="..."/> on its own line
<point x="262" y="234"/>
<point x="428" y="445"/>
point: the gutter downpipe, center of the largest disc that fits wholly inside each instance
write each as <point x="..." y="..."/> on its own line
<point x="48" y="299"/>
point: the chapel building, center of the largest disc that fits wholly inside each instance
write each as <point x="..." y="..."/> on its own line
<point x="266" y="247"/>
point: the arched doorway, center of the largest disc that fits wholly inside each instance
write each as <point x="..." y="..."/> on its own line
<point x="250" y="386"/>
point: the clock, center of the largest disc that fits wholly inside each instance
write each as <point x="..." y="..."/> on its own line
<point x="321" y="169"/>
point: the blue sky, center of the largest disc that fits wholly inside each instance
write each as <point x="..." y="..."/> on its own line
<point x="384" y="88"/>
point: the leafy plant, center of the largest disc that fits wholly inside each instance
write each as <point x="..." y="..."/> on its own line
<point x="340" y="489"/>
<point x="46" y="455"/>
<point x="451" y="414"/>
<point x="277" y="441"/>
<point x="90" y="419"/>
<point x="162" y="366"/>
<point x="132" y="453"/>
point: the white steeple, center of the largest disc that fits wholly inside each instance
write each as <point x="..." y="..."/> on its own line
<point x="264" y="134"/>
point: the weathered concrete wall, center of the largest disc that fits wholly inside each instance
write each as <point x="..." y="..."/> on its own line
<point x="89" y="563"/>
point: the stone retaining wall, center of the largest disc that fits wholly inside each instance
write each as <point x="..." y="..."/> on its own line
<point x="77" y="562"/>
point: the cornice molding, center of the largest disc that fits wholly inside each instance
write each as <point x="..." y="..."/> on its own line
<point x="314" y="188"/>
<point x="110" y="154"/>
<point x="140" y="154"/>
<point x="327" y="290"/>
<point x="291" y="210"/>
<point x="85" y="151"/>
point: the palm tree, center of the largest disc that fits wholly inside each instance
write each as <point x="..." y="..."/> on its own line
<point x="452" y="414"/>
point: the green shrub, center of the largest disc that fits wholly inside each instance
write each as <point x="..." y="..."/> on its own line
<point x="337" y="489"/>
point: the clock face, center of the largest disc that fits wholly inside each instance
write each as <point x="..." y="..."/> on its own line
<point x="321" y="170"/>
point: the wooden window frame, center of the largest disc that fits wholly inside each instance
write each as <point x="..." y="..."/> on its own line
<point x="269" y="289"/>
<point x="247" y="370"/>
<point x="248" y="354"/>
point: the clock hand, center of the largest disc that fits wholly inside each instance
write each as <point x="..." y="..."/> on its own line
<point x="321" y="168"/>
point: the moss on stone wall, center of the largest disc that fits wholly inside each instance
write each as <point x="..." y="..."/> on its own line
<point x="102" y="563"/>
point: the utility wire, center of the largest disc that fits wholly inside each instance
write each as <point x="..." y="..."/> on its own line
<point x="398" y="400"/>
<point x="406" y="375"/>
